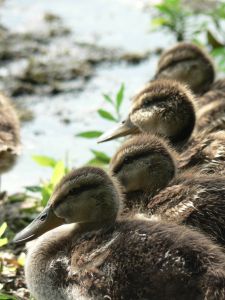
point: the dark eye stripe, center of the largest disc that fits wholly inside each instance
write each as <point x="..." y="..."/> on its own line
<point x="81" y="189"/>
<point x="130" y="159"/>
<point x="155" y="100"/>
<point x="77" y="191"/>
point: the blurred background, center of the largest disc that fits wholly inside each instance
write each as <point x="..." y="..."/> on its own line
<point x="58" y="58"/>
<point x="71" y="68"/>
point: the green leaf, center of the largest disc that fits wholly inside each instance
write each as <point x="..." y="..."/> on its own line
<point x="119" y="97"/>
<point x="96" y="162"/>
<point x="3" y="242"/>
<point x="106" y="115"/>
<point x="44" y="161"/>
<point x="156" y="22"/>
<point x="46" y="194"/>
<point x="58" y="172"/>
<point x="108" y="98"/>
<point x="90" y="134"/>
<point x="101" y="156"/>
<point x="213" y="41"/>
<point x="7" y="297"/>
<point x="33" y="188"/>
<point x="3" y="228"/>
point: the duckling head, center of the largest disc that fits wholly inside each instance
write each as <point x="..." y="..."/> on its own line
<point x="86" y="196"/>
<point x="163" y="107"/>
<point x="189" y="64"/>
<point x="144" y="163"/>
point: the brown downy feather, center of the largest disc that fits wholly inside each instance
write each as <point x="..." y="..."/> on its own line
<point x="175" y="118"/>
<point x="194" y="200"/>
<point x="211" y="117"/>
<point x="206" y="152"/>
<point x="189" y="64"/>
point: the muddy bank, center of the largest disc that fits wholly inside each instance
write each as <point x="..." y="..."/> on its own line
<point x="51" y="61"/>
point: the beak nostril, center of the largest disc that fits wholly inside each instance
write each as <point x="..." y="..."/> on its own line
<point x="43" y="217"/>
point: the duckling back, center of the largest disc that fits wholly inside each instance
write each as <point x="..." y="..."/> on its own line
<point x="194" y="200"/>
<point x="132" y="260"/>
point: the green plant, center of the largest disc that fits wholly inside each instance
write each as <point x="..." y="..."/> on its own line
<point x="59" y="169"/>
<point x="100" y="158"/>
<point x="3" y="241"/>
<point x="191" y="23"/>
<point x="171" y="15"/>
<point x="7" y="297"/>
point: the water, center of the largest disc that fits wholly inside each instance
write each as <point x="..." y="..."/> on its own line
<point x="109" y="23"/>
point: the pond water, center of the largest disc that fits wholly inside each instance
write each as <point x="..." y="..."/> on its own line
<point x="108" y="23"/>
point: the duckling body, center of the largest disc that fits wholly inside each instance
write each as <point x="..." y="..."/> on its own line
<point x="146" y="168"/>
<point x="9" y="135"/>
<point x="104" y="258"/>
<point x="188" y="64"/>
<point x="206" y="152"/>
<point x="211" y="117"/>
<point x="197" y="201"/>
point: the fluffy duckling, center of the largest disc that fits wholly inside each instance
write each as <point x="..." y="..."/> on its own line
<point x="101" y="258"/>
<point x="189" y="64"/>
<point x="163" y="107"/>
<point x="145" y="166"/>
<point x="9" y="135"/>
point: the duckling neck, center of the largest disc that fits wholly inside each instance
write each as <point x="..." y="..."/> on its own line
<point x="136" y="201"/>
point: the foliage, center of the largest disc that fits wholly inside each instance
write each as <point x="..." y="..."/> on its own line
<point x="114" y="115"/>
<point x="3" y="241"/>
<point x="7" y="297"/>
<point x="186" y="22"/>
<point x="59" y="169"/>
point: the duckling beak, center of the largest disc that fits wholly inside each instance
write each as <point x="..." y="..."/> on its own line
<point x="46" y="221"/>
<point x="125" y="128"/>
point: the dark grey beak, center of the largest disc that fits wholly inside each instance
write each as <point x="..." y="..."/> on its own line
<point x="125" y="128"/>
<point x="46" y="221"/>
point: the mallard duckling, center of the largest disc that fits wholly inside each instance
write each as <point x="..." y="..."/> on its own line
<point x="145" y="165"/>
<point x="101" y="258"/>
<point x="9" y="135"/>
<point x="189" y="64"/>
<point x="163" y="107"/>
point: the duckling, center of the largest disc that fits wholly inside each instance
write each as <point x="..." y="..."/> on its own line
<point x="9" y="135"/>
<point x="100" y="257"/>
<point x="146" y="168"/>
<point x="188" y="64"/>
<point x="163" y="107"/>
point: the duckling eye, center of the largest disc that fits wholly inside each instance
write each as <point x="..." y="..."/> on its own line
<point x="43" y="216"/>
<point x="73" y="191"/>
<point x="146" y="103"/>
<point x="127" y="160"/>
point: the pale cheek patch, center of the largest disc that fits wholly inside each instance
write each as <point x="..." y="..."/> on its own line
<point x="145" y="120"/>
